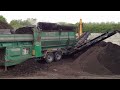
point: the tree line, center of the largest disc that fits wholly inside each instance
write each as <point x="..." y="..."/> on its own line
<point x="100" y="27"/>
<point x="19" y="23"/>
<point x="87" y="27"/>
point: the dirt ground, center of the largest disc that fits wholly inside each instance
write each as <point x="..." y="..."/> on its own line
<point x="101" y="61"/>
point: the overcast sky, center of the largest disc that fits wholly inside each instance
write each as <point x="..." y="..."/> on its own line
<point x="64" y="16"/>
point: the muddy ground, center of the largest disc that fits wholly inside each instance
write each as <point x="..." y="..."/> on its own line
<point x="101" y="61"/>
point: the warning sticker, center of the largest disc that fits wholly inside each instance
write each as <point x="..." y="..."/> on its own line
<point x="25" y="51"/>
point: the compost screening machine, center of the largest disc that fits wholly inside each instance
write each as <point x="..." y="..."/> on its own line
<point x="45" y="41"/>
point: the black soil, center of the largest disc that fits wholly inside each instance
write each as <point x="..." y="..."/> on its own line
<point x="24" y="30"/>
<point x="4" y="25"/>
<point x="101" y="59"/>
<point x="109" y="57"/>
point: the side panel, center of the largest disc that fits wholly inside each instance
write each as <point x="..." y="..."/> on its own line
<point x="15" y="37"/>
<point x="64" y="38"/>
<point x="72" y="38"/>
<point x="15" y="53"/>
<point x="57" y="39"/>
<point x="50" y="39"/>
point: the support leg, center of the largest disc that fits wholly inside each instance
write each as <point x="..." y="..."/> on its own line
<point x="5" y="68"/>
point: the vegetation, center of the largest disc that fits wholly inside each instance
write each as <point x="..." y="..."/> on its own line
<point x="90" y="27"/>
<point x="21" y="23"/>
<point x="3" y="19"/>
<point x="100" y="27"/>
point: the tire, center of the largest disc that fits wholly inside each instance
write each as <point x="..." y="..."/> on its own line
<point x="58" y="55"/>
<point x="38" y="59"/>
<point x="49" y="57"/>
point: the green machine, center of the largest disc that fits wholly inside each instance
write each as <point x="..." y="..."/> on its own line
<point x="50" y="45"/>
<point x="46" y="40"/>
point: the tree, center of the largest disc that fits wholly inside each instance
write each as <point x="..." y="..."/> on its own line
<point x="21" y="23"/>
<point x="16" y="24"/>
<point x="3" y="19"/>
<point x="100" y="27"/>
<point x="32" y="21"/>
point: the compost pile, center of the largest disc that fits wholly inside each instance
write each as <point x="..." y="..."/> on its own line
<point x="101" y="59"/>
<point x="24" y="30"/>
<point x="27" y="68"/>
<point x="46" y="26"/>
<point x="4" y="25"/>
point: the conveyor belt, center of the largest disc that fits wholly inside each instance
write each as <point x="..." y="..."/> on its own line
<point x="92" y="42"/>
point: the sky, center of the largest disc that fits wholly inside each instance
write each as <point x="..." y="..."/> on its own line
<point x="64" y="16"/>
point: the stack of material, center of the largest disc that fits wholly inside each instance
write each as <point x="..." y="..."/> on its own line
<point x="6" y="26"/>
<point x="45" y="26"/>
<point x="101" y="59"/>
<point x="24" y="30"/>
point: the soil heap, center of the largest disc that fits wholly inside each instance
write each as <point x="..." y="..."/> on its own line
<point x="101" y="59"/>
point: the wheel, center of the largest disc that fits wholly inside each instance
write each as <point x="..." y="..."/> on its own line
<point x="49" y="57"/>
<point x="38" y="60"/>
<point x="58" y="56"/>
